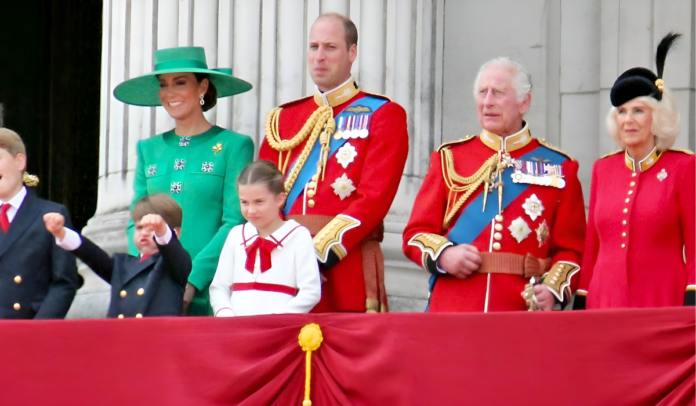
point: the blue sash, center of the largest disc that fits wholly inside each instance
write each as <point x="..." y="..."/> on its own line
<point x="472" y="221"/>
<point x="310" y="166"/>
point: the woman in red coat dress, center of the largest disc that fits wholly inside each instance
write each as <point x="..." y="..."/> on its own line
<point x="640" y="242"/>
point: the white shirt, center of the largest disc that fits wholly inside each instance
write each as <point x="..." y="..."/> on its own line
<point x="293" y="264"/>
<point x="15" y="203"/>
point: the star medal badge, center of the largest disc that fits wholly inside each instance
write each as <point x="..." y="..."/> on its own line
<point x="346" y="154"/>
<point x="343" y="187"/>
<point x="662" y="175"/>
<point x="542" y="233"/>
<point x="519" y="229"/>
<point x="533" y="207"/>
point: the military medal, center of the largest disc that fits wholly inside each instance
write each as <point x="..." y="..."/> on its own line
<point x="662" y="175"/>
<point x="347" y="133"/>
<point x="363" y="128"/>
<point x="343" y="187"/>
<point x="533" y="207"/>
<point x="538" y="173"/>
<point x="346" y="154"/>
<point x="519" y="229"/>
<point x="542" y="233"/>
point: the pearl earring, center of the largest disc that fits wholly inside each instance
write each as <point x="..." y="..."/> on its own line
<point x="202" y="101"/>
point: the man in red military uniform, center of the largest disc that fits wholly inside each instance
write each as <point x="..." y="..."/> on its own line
<point x="343" y="152"/>
<point x="498" y="209"/>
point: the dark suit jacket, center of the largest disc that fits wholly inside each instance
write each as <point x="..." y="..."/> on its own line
<point x="154" y="287"/>
<point x="37" y="278"/>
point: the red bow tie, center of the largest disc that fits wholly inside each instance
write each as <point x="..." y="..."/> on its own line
<point x="264" y="247"/>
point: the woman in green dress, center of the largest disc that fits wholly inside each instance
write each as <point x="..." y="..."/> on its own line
<point x="197" y="162"/>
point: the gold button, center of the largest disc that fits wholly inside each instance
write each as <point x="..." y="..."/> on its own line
<point x="624" y="222"/>
<point x="623" y="245"/>
<point x="633" y="184"/>
<point x="312" y="185"/>
<point x="120" y="316"/>
<point x="315" y="178"/>
<point x="498" y="227"/>
<point x="141" y="292"/>
<point x="630" y="192"/>
<point x="311" y="193"/>
<point x="17" y="306"/>
<point x="18" y="279"/>
<point x="561" y="266"/>
<point x="623" y="234"/>
<point x="498" y="236"/>
<point x="499" y="218"/>
<point x="625" y="211"/>
<point x="124" y="293"/>
<point x="138" y="316"/>
<point x="310" y="203"/>
<point x="496" y="246"/>
<point x="633" y="174"/>
<point x="628" y="200"/>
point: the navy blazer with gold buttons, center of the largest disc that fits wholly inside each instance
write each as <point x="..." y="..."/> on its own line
<point x="153" y="287"/>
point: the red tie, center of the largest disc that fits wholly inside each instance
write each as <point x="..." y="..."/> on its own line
<point x="4" y="221"/>
<point x="144" y="257"/>
<point x="265" y="248"/>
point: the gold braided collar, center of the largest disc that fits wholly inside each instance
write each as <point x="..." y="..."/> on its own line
<point x="510" y="143"/>
<point x="337" y="96"/>
<point x="644" y="164"/>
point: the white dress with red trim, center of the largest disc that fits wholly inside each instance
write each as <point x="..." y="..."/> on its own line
<point x="276" y="274"/>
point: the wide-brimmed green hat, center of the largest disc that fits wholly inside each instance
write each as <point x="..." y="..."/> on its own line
<point x="144" y="90"/>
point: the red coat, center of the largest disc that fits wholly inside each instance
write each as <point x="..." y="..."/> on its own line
<point x="356" y="282"/>
<point x="563" y="214"/>
<point x="640" y="229"/>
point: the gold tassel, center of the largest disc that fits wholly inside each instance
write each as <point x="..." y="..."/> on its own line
<point x="310" y="339"/>
<point x="30" y="180"/>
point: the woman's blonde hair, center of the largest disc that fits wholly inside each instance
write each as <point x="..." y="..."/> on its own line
<point x="665" y="121"/>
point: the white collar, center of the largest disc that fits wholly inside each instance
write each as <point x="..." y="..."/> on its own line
<point x="17" y="200"/>
<point x="281" y="235"/>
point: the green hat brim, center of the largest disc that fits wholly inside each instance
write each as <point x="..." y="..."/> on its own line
<point x="144" y="90"/>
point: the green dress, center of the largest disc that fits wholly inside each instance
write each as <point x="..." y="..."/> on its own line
<point x="200" y="173"/>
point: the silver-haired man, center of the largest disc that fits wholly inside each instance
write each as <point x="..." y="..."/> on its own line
<point x="499" y="221"/>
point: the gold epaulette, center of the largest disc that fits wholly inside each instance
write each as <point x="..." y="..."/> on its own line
<point x="684" y="151"/>
<point x="547" y="145"/>
<point x="612" y="153"/>
<point x="459" y="141"/>
<point x="380" y="96"/>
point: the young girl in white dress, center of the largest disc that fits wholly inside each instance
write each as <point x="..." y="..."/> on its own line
<point x="267" y="265"/>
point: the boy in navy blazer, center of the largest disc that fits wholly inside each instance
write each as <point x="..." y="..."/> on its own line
<point x="150" y="284"/>
<point x="37" y="279"/>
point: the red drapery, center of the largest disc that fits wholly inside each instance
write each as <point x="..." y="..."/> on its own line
<point x="619" y="357"/>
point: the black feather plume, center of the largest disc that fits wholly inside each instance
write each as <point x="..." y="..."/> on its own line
<point x="662" y="50"/>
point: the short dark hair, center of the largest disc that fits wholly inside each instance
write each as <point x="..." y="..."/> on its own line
<point x="262" y="172"/>
<point x="349" y="28"/>
<point x="161" y="204"/>
<point x="210" y="97"/>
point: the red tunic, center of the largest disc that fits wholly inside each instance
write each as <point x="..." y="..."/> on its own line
<point x="639" y="232"/>
<point x="563" y="213"/>
<point x="375" y="172"/>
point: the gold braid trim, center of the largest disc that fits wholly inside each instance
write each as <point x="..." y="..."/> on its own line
<point x="459" y="184"/>
<point x="321" y="119"/>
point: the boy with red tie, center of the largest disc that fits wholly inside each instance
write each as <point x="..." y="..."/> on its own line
<point x="37" y="279"/>
<point x="150" y="284"/>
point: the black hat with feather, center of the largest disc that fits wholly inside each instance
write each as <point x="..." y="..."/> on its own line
<point x="637" y="82"/>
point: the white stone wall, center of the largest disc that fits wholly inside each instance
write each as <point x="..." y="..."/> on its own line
<point x="422" y="53"/>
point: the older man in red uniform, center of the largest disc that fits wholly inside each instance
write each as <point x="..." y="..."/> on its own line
<point x="343" y="152"/>
<point x="500" y="213"/>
